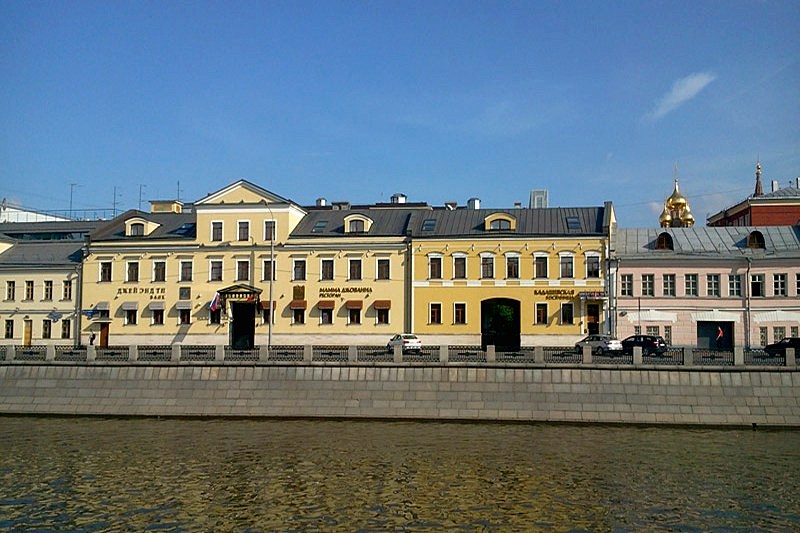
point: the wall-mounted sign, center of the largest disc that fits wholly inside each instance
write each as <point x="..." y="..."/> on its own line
<point x="555" y="294"/>
<point x="336" y="292"/>
<point x="155" y="293"/>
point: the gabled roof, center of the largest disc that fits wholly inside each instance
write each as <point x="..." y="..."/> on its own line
<point x="708" y="242"/>
<point x="171" y="226"/>
<point x="215" y="197"/>
<point x="385" y="223"/>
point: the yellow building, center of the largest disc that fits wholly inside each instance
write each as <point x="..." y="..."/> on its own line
<point x="510" y="277"/>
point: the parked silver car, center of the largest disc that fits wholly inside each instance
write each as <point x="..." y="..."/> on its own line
<point x="601" y="344"/>
<point x="408" y="341"/>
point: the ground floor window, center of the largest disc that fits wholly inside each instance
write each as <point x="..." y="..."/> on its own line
<point x="355" y="316"/>
<point x="460" y="313"/>
<point x="158" y="317"/>
<point x="652" y="330"/>
<point x="66" y="329"/>
<point x="794" y="331"/>
<point x="541" y="314"/>
<point x="299" y="316"/>
<point x="668" y="334"/>
<point x="567" y="314"/>
<point x="637" y="330"/>
<point x="46" y="329"/>
<point x="130" y="317"/>
<point x="185" y="316"/>
<point x="778" y="333"/>
<point x="9" y="329"/>
<point x="436" y="314"/>
<point x="215" y="316"/>
<point x="382" y="316"/>
<point x="266" y="315"/>
<point x="326" y="316"/>
<point x="762" y="333"/>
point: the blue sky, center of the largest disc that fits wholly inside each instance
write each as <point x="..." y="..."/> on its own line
<point x="442" y="101"/>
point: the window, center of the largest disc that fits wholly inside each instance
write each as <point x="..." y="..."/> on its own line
<point x="298" y="316"/>
<point x="573" y="223"/>
<point x="734" y="284"/>
<point x="159" y="271"/>
<point x="130" y="317"/>
<point x="626" y="285"/>
<point x="779" y="285"/>
<point x="327" y="270"/>
<point x="383" y="269"/>
<point x="66" y="290"/>
<point x="778" y="333"/>
<point x="566" y="313"/>
<point x="512" y="266"/>
<point x="29" y="290"/>
<point x="795" y="330"/>
<point x="66" y="329"/>
<point x="243" y="270"/>
<point x="691" y="284"/>
<point x="637" y="330"/>
<point x="299" y="270"/>
<point x="501" y="224"/>
<point x="487" y="267"/>
<point x="540" y="266"/>
<point x="541" y="314"/>
<point x="566" y="263"/>
<point x="762" y="334"/>
<point x="137" y="229"/>
<point x="268" y="270"/>
<point x="186" y="271"/>
<point x="797" y="285"/>
<point x="592" y="266"/>
<point x="354" y="316"/>
<point x="326" y="316"/>
<point x="133" y="271"/>
<point x="48" y="290"/>
<point x="460" y="313"/>
<point x="105" y="271"/>
<point x="266" y="315"/>
<point x="9" y="329"/>
<point x="269" y="230"/>
<point x="436" y="314"/>
<point x="429" y="224"/>
<point x="158" y="317"/>
<point x="459" y="267"/>
<point x="355" y="269"/>
<point x="185" y="316"/>
<point x="757" y="285"/>
<point x="435" y="267"/>
<point x="668" y="335"/>
<point x="47" y="327"/>
<point x="216" y="231"/>
<point x="10" y="290"/>
<point x="319" y="226"/>
<point x="652" y="330"/>
<point x="244" y="230"/>
<point x="664" y="242"/>
<point x="356" y="226"/>
<point x="712" y="285"/>
<point x="669" y="284"/>
<point x="382" y="316"/>
<point x="756" y="240"/>
<point x="648" y="285"/>
<point x="184" y="293"/>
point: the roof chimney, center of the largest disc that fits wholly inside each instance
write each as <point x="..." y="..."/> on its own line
<point x="775" y="185"/>
<point x="517" y="205"/>
<point x="322" y="202"/>
<point x="452" y="205"/>
<point x="474" y="203"/>
<point x="398" y="198"/>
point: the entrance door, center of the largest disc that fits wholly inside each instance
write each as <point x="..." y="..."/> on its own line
<point x="243" y="325"/>
<point x="500" y="324"/>
<point x="103" y="334"/>
<point x="708" y="335"/>
<point x="593" y="318"/>
<point x="27" y="333"/>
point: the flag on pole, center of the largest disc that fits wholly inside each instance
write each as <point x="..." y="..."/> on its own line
<point x="215" y="302"/>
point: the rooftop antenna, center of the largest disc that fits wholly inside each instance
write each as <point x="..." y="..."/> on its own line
<point x="71" y="187"/>
<point x="141" y="187"/>
<point x="114" y="203"/>
<point x="179" y="190"/>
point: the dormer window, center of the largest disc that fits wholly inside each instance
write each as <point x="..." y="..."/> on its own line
<point x="756" y="240"/>
<point x="356" y="223"/>
<point x="137" y="229"/>
<point x="664" y="242"/>
<point x="500" y="222"/>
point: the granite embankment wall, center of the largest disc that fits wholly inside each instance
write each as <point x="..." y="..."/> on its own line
<point x="646" y="395"/>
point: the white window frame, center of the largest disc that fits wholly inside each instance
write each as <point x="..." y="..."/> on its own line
<point x="332" y="259"/>
<point x="378" y="269"/>
<point x="508" y="256"/>
<point x="128" y="271"/>
<point x="454" y="313"/>
<point x="594" y="255"/>
<point x="249" y="233"/>
<point x="488" y="255"/>
<point x="461" y="255"/>
<point x="431" y="257"/>
<point x="274" y="223"/>
<point x="546" y="256"/>
<point x="211" y="231"/>
<point x="153" y="270"/>
<point x="571" y="256"/>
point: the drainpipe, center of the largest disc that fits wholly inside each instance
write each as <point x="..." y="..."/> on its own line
<point x="78" y="291"/>
<point x="746" y="288"/>
<point x="409" y="282"/>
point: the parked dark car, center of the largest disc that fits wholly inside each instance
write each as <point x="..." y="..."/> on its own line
<point x="779" y="348"/>
<point x="651" y="344"/>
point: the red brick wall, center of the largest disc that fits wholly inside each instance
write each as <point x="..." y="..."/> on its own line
<point x="775" y="215"/>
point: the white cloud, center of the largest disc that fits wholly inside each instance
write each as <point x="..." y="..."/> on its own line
<point x="682" y="91"/>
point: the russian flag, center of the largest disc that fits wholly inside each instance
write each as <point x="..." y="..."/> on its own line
<point x="215" y="302"/>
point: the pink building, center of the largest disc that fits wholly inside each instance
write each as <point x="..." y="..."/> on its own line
<point x="689" y="284"/>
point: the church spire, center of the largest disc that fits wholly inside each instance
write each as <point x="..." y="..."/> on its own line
<point x="759" y="187"/>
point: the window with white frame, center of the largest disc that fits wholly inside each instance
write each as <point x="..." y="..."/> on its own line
<point x="299" y="270"/>
<point x="11" y="290"/>
<point x="383" y="269"/>
<point x="757" y="285"/>
<point x="626" y="284"/>
<point x="269" y="230"/>
<point x="593" y="266"/>
<point x="541" y="314"/>
<point x="244" y="230"/>
<point x="734" y="284"/>
<point x="216" y="230"/>
<point x="215" y="270"/>
<point x="487" y="266"/>
<point x="712" y="285"/>
<point x="48" y="290"/>
<point x="566" y="265"/>
<point x="540" y="266"/>
<point x="66" y="289"/>
<point x="567" y="313"/>
<point x="459" y="266"/>
<point x="159" y="271"/>
<point x="435" y="313"/>
<point x="66" y="328"/>
<point x="690" y="282"/>
<point x="512" y="266"/>
<point x="779" y="285"/>
<point x="434" y="266"/>
<point x="133" y="271"/>
<point x="648" y="285"/>
<point x="669" y="284"/>
<point x="186" y="271"/>
<point x="268" y="270"/>
<point x="326" y="269"/>
<point x="243" y="270"/>
<point x="459" y="313"/>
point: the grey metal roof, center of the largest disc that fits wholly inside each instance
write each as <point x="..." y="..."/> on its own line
<point x="172" y="226"/>
<point x="708" y="241"/>
<point x="16" y="230"/>
<point x="31" y="254"/>
<point x="784" y="193"/>
<point x="530" y="221"/>
<point x="390" y="222"/>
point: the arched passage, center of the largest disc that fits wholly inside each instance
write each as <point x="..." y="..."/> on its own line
<point x="500" y="324"/>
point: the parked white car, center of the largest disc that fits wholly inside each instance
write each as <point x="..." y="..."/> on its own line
<point x="408" y="341"/>
<point x="601" y="344"/>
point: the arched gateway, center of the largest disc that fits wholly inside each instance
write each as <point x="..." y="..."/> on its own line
<point x="241" y="303"/>
<point x="500" y="324"/>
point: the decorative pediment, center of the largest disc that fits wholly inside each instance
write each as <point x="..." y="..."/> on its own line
<point x="241" y="192"/>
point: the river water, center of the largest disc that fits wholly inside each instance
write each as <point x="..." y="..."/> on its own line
<point x="99" y="474"/>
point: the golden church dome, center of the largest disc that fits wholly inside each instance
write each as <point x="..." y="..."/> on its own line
<point x="687" y="218"/>
<point x="676" y="201"/>
<point x="666" y="218"/>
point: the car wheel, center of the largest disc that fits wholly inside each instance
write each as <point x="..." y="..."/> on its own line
<point x="601" y="350"/>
